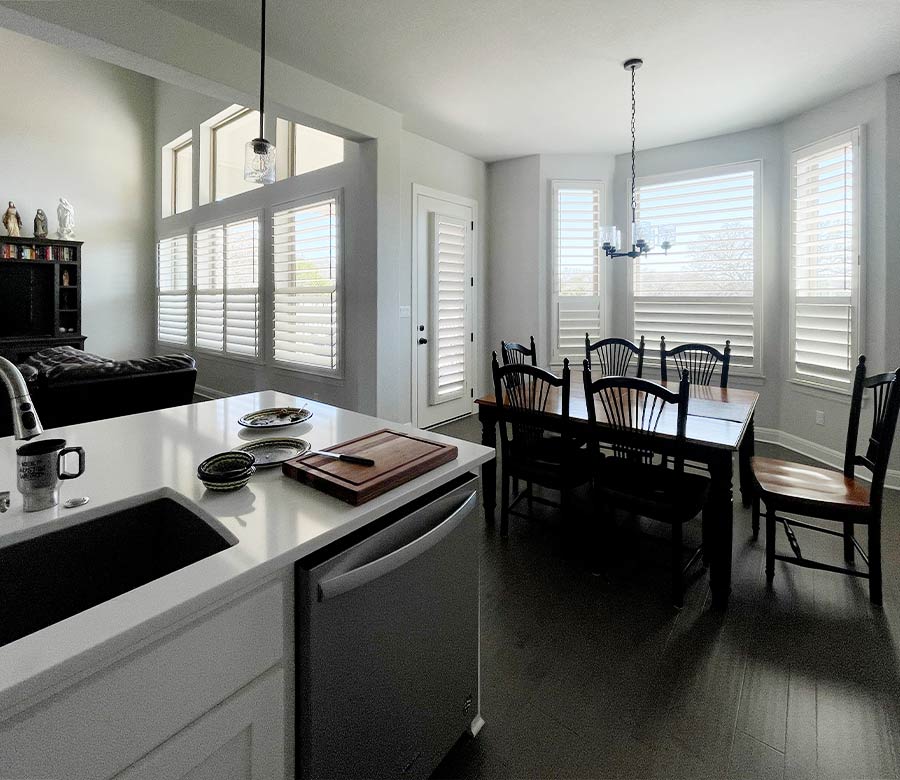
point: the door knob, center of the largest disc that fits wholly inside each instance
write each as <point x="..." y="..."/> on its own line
<point x="423" y="341"/>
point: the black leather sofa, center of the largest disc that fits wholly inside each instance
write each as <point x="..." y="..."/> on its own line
<point x="69" y="386"/>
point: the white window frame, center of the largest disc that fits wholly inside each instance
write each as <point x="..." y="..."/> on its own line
<point x="856" y="136"/>
<point x="188" y="234"/>
<point x="167" y="174"/>
<point x="261" y="288"/>
<point x="206" y="190"/>
<point x="302" y="368"/>
<point x="556" y="359"/>
<point x="652" y="354"/>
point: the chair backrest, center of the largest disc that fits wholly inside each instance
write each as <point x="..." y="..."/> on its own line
<point x="632" y="408"/>
<point x="699" y="360"/>
<point x="613" y="356"/>
<point x="523" y="393"/>
<point x="886" y="405"/>
<point x="518" y="353"/>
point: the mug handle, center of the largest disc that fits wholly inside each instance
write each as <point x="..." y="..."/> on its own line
<point x="59" y="463"/>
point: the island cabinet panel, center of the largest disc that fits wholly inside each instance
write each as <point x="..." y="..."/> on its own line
<point x="102" y="724"/>
<point x="240" y="739"/>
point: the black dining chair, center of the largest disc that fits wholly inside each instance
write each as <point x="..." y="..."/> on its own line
<point x="523" y="394"/>
<point x="613" y="356"/>
<point x="630" y="410"/>
<point x="699" y="360"/>
<point x="518" y="353"/>
<point x="825" y="494"/>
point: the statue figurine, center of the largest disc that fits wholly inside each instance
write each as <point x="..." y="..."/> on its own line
<point x="12" y="221"/>
<point x="65" y="215"/>
<point x="40" y="224"/>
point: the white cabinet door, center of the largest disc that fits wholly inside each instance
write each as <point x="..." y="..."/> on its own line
<point x="240" y="739"/>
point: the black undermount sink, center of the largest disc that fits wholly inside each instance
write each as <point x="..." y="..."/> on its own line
<point x="59" y="574"/>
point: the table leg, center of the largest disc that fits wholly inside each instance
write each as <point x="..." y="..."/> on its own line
<point x="489" y="469"/>
<point x="721" y="509"/>
<point x="746" y="452"/>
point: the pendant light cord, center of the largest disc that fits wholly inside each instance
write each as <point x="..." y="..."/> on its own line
<point x="633" y="108"/>
<point x="262" y="69"/>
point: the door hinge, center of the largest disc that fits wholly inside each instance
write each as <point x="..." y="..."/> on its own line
<point x="471" y="393"/>
<point x="472" y="337"/>
<point x="471" y="281"/>
<point x="473" y="224"/>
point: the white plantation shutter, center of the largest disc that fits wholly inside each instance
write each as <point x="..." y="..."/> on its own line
<point x="226" y="288"/>
<point x="706" y="288"/>
<point x="578" y="214"/>
<point x="306" y="260"/>
<point x="172" y="290"/>
<point x="824" y="260"/>
<point x="447" y="289"/>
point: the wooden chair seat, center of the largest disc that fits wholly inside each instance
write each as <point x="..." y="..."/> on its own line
<point x="785" y="484"/>
<point x="651" y="490"/>
<point x="553" y="462"/>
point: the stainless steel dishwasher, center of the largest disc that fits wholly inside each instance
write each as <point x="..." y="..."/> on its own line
<point x="387" y="642"/>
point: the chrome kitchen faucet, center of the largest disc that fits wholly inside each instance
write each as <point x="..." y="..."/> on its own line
<point x="26" y="423"/>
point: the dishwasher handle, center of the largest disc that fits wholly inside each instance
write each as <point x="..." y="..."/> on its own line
<point x="355" y="578"/>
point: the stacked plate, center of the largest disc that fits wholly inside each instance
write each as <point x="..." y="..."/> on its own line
<point x="227" y="470"/>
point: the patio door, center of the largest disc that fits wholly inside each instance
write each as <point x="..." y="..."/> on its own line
<point x="444" y="306"/>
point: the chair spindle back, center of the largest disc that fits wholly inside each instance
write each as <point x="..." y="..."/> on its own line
<point x="518" y="353"/>
<point x="613" y="356"/>
<point x="699" y="360"/>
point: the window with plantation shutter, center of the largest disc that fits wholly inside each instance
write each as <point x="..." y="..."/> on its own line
<point x="449" y="236"/>
<point x="172" y="290"/>
<point x="578" y="213"/>
<point x="306" y="270"/>
<point x="707" y="288"/>
<point x="825" y="219"/>
<point x="226" y="288"/>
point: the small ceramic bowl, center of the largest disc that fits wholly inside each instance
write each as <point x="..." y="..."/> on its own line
<point x="227" y="470"/>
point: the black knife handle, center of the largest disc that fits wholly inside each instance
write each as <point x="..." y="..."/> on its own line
<point x="358" y="460"/>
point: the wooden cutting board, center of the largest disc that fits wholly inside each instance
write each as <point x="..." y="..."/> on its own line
<point x="399" y="457"/>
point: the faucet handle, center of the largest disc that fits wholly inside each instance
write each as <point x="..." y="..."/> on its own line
<point x="4" y="500"/>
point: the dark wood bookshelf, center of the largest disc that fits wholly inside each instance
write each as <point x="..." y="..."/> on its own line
<point x="40" y="279"/>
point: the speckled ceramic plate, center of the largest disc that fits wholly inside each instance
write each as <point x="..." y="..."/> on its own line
<point x="274" y="452"/>
<point x="279" y="417"/>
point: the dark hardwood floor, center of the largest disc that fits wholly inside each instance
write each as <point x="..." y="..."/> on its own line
<point x="599" y="677"/>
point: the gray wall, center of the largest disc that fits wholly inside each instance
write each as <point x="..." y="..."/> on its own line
<point x="76" y="127"/>
<point x="179" y="110"/>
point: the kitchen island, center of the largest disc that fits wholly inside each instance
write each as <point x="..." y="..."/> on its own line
<point x="214" y="627"/>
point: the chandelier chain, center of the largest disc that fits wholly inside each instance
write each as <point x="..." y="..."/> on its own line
<point x="633" y="111"/>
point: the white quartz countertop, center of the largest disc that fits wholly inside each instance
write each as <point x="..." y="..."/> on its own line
<point x="276" y="520"/>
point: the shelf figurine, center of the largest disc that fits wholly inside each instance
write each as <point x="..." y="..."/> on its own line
<point x="65" y="215"/>
<point x="12" y="221"/>
<point x="40" y="224"/>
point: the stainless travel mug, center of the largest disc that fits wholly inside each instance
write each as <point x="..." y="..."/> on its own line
<point x="40" y="465"/>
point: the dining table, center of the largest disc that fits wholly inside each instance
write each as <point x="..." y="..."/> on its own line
<point x="719" y="424"/>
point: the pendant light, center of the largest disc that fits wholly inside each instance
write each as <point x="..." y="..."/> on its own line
<point x="259" y="154"/>
<point x="644" y="236"/>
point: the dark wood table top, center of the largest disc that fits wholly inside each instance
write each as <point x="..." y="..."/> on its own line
<point x="717" y="417"/>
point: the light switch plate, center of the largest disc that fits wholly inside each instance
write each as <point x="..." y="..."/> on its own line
<point x="405" y="312"/>
<point x="820" y="417"/>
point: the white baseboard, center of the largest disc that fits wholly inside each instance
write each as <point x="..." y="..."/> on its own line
<point x="819" y="452"/>
<point x="208" y="392"/>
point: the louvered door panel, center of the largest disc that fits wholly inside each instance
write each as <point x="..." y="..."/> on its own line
<point x="209" y="285"/>
<point x="306" y="249"/>
<point x="449" y="237"/>
<point x="578" y="216"/>
<point x="704" y="289"/>
<point x="172" y="290"/>
<point x="824" y="251"/>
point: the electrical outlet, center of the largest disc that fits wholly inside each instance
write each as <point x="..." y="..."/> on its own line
<point x="820" y="417"/>
<point x="315" y="396"/>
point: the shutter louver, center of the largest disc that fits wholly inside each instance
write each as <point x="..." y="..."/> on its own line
<point x="577" y="253"/>
<point x="703" y="290"/>
<point x="226" y="297"/>
<point x="172" y="290"/>
<point x="305" y="267"/>
<point x="448" y="307"/>
<point x="823" y="254"/>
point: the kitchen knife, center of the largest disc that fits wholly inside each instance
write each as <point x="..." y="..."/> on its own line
<point x="358" y="460"/>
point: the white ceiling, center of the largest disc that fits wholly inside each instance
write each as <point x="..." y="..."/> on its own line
<point x="503" y="78"/>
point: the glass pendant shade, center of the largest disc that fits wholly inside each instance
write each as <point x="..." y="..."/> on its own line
<point x="259" y="161"/>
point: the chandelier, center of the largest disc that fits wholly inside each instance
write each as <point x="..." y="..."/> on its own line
<point x="644" y="235"/>
<point x="259" y="154"/>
